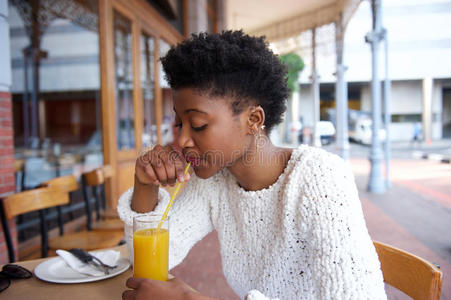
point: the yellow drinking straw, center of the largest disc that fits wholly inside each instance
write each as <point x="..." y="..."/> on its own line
<point x="177" y="188"/>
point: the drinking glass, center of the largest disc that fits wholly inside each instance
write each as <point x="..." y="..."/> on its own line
<point x="151" y="247"/>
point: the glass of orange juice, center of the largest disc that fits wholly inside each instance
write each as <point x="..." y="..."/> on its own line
<point x="151" y="247"/>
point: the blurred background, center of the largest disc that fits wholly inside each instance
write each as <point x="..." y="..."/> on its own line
<point x="81" y="86"/>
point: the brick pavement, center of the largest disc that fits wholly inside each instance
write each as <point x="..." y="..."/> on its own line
<point x="414" y="215"/>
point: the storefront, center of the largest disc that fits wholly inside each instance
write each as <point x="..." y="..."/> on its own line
<point x="87" y="87"/>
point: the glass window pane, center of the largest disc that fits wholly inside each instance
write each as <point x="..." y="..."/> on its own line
<point x="124" y="82"/>
<point x="149" y="137"/>
<point x="56" y="86"/>
<point x="167" y="128"/>
<point x="56" y="96"/>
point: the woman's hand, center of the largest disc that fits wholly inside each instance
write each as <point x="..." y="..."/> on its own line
<point x="161" y="165"/>
<point x="146" y="289"/>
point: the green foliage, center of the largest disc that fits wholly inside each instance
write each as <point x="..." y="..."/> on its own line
<point x="295" y="65"/>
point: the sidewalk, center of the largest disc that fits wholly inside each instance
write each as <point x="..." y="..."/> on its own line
<point x="439" y="150"/>
<point x="414" y="215"/>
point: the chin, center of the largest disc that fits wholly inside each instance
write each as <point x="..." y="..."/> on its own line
<point x="205" y="172"/>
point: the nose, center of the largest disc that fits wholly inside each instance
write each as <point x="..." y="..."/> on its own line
<point x="184" y="138"/>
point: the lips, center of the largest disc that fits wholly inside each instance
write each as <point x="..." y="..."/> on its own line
<point x="195" y="161"/>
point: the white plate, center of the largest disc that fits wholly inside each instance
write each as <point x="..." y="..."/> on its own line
<point x="57" y="271"/>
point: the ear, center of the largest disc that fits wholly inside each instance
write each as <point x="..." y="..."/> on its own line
<point x="255" y="119"/>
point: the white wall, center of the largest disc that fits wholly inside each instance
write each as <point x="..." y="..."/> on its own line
<point x="407" y="99"/>
<point x="5" y="60"/>
<point x="419" y="43"/>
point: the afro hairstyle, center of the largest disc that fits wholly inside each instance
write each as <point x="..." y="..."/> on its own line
<point x="230" y="64"/>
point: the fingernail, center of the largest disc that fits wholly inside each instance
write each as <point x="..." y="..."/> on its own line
<point x="187" y="176"/>
<point x="181" y="179"/>
<point x="156" y="182"/>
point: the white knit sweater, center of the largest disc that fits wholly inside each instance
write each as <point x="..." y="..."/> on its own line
<point x="304" y="237"/>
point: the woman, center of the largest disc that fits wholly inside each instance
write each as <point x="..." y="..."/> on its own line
<point x="289" y="222"/>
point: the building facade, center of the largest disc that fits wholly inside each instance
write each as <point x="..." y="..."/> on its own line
<point x="81" y="86"/>
<point x="419" y="44"/>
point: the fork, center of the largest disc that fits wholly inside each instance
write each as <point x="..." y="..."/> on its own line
<point x="87" y="258"/>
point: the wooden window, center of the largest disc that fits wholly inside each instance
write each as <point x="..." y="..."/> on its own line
<point x="124" y="82"/>
<point x="212" y="9"/>
<point x="147" y="77"/>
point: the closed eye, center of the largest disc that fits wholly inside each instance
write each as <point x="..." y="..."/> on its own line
<point x="194" y="128"/>
<point x="199" y="128"/>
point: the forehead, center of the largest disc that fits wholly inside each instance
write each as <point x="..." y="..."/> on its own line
<point x="188" y="100"/>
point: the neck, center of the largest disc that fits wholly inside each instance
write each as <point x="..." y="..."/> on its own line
<point x="260" y="168"/>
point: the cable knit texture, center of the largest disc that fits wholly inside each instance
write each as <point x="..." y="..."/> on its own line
<point x="303" y="237"/>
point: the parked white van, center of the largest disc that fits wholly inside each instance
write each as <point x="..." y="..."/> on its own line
<point x="361" y="131"/>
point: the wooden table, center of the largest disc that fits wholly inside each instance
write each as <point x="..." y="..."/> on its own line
<point x="34" y="288"/>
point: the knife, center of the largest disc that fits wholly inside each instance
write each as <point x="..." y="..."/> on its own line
<point x="87" y="258"/>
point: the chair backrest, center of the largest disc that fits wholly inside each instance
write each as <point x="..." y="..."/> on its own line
<point x="24" y="202"/>
<point x="94" y="177"/>
<point x="93" y="182"/>
<point x="66" y="183"/>
<point x="108" y="171"/>
<point x="98" y="176"/>
<point x="33" y="200"/>
<point x="409" y="273"/>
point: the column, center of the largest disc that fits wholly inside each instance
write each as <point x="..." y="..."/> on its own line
<point x="315" y="94"/>
<point x="427" y="110"/>
<point x="341" y="95"/>
<point x="376" y="183"/>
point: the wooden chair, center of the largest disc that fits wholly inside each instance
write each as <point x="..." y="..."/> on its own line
<point x="24" y="202"/>
<point x="38" y="200"/>
<point x="47" y="197"/>
<point x="408" y="273"/>
<point x="94" y="182"/>
<point x="69" y="184"/>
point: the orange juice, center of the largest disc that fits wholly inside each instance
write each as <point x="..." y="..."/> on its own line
<point x="151" y="249"/>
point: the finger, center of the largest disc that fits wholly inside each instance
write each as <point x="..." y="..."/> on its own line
<point x="157" y="165"/>
<point x="134" y="282"/>
<point x="144" y="159"/>
<point x="144" y="172"/>
<point x="129" y="295"/>
<point x="179" y="165"/>
<point x="150" y="174"/>
<point x="169" y="166"/>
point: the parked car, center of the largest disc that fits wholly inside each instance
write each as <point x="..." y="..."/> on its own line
<point x="326" y="132"/>
<point x="361" y="131"/>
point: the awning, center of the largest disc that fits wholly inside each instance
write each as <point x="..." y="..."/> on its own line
<point x="284" y="19"/>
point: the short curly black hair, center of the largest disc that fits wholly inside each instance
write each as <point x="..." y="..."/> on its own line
<point x="233" y="64"/>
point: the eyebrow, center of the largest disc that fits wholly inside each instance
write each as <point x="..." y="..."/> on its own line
<point x="194" y="110"/>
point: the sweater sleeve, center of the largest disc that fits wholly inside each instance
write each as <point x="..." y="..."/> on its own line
<point x="344" y="261"/>
<point x="189" y="217"/>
